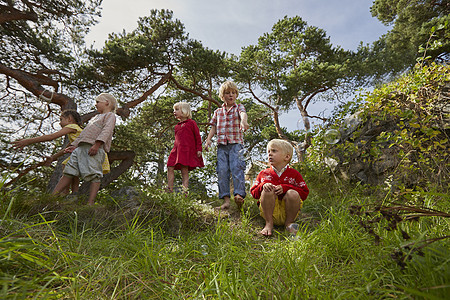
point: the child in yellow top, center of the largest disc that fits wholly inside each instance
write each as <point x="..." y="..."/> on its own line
<point x="70" y="122"/>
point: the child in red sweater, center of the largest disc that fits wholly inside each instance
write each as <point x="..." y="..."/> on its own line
<point x="280" y="188"/>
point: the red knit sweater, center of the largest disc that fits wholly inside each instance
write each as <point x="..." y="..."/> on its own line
<point x="291" y="179"/>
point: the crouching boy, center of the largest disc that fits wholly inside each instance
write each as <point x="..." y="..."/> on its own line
<point x="280" y="188"/>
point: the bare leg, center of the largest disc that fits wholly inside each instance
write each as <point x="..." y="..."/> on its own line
<point x="267" y="202"/>
<point x="62" y="185"/>
<point x="170" y="178"/>
<point x="292" y="206"/>
<point x="93" y="190"/>
<point x="75" y="184"/>
<point x="185" y="177"/>
<point x="66" y="191"/>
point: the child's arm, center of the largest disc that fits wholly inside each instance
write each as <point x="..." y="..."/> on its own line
<point x="19" y="144"/>
<point x="212" y="132"/>
<point x="94" y="149"/>
<point x="54" y="157"/>
<point x="258" y="185"/>
<point x="244" y="125"/>
<point x="198" y="139"/>
<point x="109" y="122"/>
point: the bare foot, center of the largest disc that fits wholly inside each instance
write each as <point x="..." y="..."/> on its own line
<point x="239" y="201"/>
<point x="225" y="205"/>
<point x="267" y="231"/>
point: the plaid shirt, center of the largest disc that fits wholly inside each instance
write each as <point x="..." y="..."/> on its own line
<point x="227" y="124"/>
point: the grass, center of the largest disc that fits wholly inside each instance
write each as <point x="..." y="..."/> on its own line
<point x="168" y="246"/>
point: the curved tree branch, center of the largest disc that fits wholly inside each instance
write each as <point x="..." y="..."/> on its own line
<point x="192" y="91"/>
<point x="11" y="14"/>
<point x="124" y="111"/>
<point x="33" y="83"/>
<point x="275" y="114"/>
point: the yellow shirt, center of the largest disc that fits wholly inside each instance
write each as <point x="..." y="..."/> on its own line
<point x="73" y="135"/>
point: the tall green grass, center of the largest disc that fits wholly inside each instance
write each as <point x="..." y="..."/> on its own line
<point x="169" y="246"/>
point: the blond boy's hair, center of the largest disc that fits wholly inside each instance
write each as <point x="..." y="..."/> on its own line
<point x="110" y="99"/>
<point x="282" y="145"/>
<point x="185" y="109"/>
<point x="228" y="85"/>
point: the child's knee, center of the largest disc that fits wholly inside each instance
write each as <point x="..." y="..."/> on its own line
<point x="268" y="195"/>
<point x="292" y="195"/>
<point x="223" y="172"/>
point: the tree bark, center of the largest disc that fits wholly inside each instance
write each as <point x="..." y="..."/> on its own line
<point x="301" y="149"/>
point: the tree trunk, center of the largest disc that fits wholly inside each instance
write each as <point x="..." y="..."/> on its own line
<point x="160" y="169"/>
<point x="301" y="149"/>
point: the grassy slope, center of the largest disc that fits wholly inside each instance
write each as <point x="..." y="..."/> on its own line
<point x="170" y="248"/>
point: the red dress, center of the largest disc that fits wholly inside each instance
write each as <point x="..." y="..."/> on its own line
<point x="187" y="143"/>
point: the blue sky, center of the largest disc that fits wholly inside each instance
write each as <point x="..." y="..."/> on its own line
<point x="230" y="25"/>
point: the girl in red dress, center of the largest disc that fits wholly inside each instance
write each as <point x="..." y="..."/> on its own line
<point x="186" y="154"/>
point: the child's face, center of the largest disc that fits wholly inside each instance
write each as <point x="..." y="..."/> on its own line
<point x="64" y="121"/>
<point x="229" y="97"/>
<point x="177" y="113"/>
<point x="277" y="157"/>
<point x="101" y="105"/>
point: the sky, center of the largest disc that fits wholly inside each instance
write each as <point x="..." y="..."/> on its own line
<point x="230" y="25"/>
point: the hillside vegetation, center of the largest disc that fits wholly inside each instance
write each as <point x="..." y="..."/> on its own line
<point x="356" y="241"/>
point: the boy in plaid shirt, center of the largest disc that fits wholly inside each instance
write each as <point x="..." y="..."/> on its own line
<point x="229" y="122"/>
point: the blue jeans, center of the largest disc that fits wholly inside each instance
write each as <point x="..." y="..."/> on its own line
<point x="230" y="159"/>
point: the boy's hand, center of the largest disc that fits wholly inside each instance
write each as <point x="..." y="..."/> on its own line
<point x="69" y="149"/>
<point x="199" y="154"/>
<point x="268" y="187"/>
<point x="94" y="149"/>
<point x="207" y="144"/>
<point x="244" y="125"/>
<point x="277" y="189"/>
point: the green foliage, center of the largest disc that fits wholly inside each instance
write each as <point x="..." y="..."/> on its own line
<point x="44" y="34"/>
<point x="407" y="118"/>
<point x="413" y="22"/>
<point x="127" y="58"/>
<point x="295" y="60"/>
<point x="420" y="140"/>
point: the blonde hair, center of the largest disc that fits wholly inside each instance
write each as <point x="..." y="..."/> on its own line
<point x="228" y="85"/>
<point x="110" y="99"/>
<point x="185" y="109"/>
<point x="282" y="145"/>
